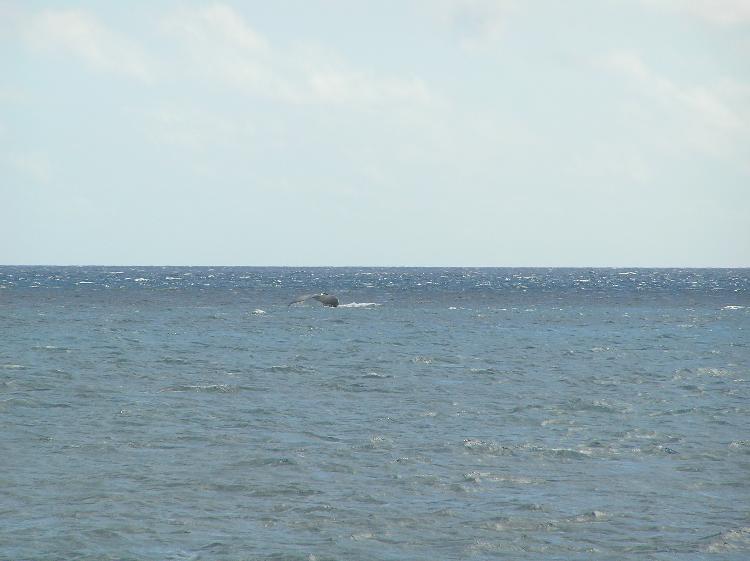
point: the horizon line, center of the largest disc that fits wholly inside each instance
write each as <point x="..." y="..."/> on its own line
<point x="383" y="266"/>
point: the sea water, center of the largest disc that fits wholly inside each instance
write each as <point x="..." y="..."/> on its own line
<point x="190" y="413"/>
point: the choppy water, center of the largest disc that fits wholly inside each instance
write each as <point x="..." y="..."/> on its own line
<point x="188" y="413"/>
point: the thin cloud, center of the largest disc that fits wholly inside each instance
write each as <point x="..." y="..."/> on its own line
<point x="342" y="86"/>
<point x="32" y="165"/>
<point x="714" y="115"/>
<point x="221" y="46"/>
<point x="11" y="94"/>
<point x="83" y="36"/>
<point x="195" y="129"/>
<point x="477" y="24"/>
<point x="717" y="12"/>
<point x="606" y="163"/>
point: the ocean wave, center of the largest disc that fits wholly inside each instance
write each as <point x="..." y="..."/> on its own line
<point x="479" y="476"/>
<point x="730" y="540"/>
<point x="566" y="453"/>
<point x="485" y="447"/>
<point x="287" y="368"/>
<point x="714" y="372"/>
<point x="575" y="415"/>
<point x="215" y="388"/>
<point x="52" y="348"/>
<point x="377" y="375"/>
<point x="19" y="402"/>
<point x="739" y="444"/>
<point x="378" y="441"/>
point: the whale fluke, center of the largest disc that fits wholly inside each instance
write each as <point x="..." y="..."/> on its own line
<point x="324" y="298"/>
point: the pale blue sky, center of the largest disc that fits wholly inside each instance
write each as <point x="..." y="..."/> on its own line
<point x="430" y="132"/>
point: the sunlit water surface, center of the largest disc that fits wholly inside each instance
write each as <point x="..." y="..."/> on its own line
<point x="189" y="413"/>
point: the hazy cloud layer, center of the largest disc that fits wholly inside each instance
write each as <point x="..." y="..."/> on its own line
<point x="721" y="12"/>
<point x="714" y="115"/>
<point x="464" y="132"/>
<point x="80" y="34"/>
<point x="220" y="45"/>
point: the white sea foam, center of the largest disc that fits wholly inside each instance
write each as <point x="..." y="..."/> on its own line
<point x="736" y="539"/>
<point x="359" y="305"/>
<point x="733" y="308"/>
<point x="592" y="516"/>
<point x="219" y="388"/>
<point x="258" y="312"/>
<point x="715" y="372"/>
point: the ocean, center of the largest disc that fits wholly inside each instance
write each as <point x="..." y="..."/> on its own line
<point x="189" y="413"/>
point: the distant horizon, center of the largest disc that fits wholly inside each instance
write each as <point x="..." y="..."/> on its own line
<point x="637" y="267"/>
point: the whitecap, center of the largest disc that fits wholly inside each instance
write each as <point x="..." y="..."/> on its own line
<point x="514" y="480"/>
<point x="359" y="305"/>
<point x="590" y="516"/>
<point x="218" y="388"/>
<point x="568" y="453"/>
<point x="376" y="375"/>
<point x="483" y="446"/>
<point x="422" y="359"/>
<point x="731" y="540"/>
<point x="258" y="312"/>
<point x="733" y="308"/>
<point x="378" y="441"/>
<point x="475" y="476"/>
<point x="50" y="348"/>
<point x="714" y="372"/>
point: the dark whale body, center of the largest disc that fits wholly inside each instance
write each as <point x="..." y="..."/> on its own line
<point x="324" y="298"/>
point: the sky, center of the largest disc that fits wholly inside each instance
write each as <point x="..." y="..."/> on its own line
<point x="588" y="133"/>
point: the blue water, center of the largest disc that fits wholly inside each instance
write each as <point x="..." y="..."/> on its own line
<point x="189" y="413"/>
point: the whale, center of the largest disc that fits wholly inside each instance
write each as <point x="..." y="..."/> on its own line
<point x="324" y="298"/>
